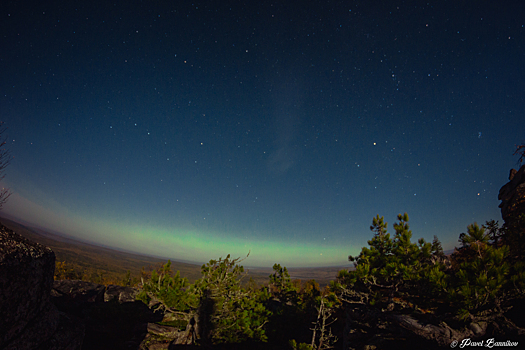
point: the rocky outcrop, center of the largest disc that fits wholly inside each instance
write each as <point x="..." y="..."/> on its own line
<point x="71" y="296"/>
<point x="369" y="328"/>
<point x="401" y="326"/>
<point x="112" y="317"/>
<point x="76" y="293"/>
<point x="438" y="332"/>
<point x="512" y="195"/>
<point x="29" y="320"/>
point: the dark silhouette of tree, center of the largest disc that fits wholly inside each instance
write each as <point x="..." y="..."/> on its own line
<point x="520" y="149"/>
<point x="5" y="159"/>
<point x="494" y="232"/>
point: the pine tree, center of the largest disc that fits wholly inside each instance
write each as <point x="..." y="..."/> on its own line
<point x="229" y="313"/>
<point x="281" y="285"/>
<point x="392" y="267"/>
<point x="216" y="308"/>
<point x="169" y="292"/>
<point x="473" y="243"/>
<point x="480" y="282"/>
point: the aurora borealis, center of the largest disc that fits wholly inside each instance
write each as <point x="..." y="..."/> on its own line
<point x="193" y="130"/>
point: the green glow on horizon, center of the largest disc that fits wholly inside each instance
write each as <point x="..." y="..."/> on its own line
<point x="190" y="244"/>
<point x="200" y="246"/>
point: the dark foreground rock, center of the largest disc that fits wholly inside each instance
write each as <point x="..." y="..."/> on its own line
<point x="29" y="320"/>
<point x="112" y="317"/>
<point x="369" y="328"/>
<point x="512" y="195"/>
<point x="39" y="313"/>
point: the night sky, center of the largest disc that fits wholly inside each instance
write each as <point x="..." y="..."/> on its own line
<point x="193" y="130"/>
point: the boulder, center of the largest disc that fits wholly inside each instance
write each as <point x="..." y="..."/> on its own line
<point x="29" y="319"/>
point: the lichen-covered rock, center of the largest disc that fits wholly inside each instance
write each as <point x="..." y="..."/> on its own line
<point x="29" y="320"/>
